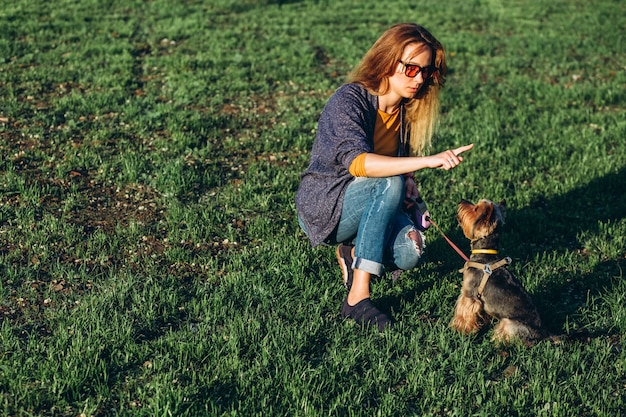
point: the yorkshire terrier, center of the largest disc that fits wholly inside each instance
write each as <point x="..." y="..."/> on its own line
<point x="489" y="290"/>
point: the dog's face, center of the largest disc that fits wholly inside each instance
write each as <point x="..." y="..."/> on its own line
<point x="480" y="219"/>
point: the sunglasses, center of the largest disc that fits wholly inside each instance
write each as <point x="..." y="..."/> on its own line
<point x="411" y="70"/>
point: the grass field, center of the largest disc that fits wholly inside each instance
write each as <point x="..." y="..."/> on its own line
<point x="150" y="259"/>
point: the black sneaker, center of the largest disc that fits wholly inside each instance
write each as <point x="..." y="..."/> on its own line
<point x="365" y="313"/>
<point x="344" y="257"/>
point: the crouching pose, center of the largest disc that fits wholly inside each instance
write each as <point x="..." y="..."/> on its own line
<point x="359" y="187"/>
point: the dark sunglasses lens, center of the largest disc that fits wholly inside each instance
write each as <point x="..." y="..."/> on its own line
<point x="412" y="70"/>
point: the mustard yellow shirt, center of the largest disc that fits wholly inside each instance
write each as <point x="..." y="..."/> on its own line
<point x="386" y="133"/>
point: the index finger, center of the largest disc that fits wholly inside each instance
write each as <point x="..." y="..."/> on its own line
<point x="462" y="149"/>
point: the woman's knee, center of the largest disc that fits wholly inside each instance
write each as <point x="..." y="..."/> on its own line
<point x="410" y="249"/>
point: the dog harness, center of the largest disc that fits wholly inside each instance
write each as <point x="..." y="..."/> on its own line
<point x="487" y="271"/>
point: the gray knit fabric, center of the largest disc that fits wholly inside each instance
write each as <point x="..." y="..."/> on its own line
<point x="345" y="130"/>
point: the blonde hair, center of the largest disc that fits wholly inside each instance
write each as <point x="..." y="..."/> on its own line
<point x="380" y="63"/>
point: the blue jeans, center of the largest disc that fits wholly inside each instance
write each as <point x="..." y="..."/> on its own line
<point x="372" y="221"/>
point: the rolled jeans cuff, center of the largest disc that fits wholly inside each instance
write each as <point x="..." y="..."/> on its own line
<point x="372" y="267"/>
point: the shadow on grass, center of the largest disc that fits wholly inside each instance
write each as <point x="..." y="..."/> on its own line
<point x="561" y="302"/>
<point x="556" y="225"/>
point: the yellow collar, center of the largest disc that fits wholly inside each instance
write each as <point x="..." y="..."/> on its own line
<point x="485" y="251"/>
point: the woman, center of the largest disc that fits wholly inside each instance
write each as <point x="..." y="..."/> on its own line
<point x="371" y="138"/>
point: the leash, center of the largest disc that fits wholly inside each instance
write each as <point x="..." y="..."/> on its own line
<point x="451" y="243"/>
<point x="487" y="269"/>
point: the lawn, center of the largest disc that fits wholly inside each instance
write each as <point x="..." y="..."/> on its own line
<point x="150" y="258"/>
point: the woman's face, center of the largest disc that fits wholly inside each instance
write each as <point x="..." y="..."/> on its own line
<point x="414" y="57"/>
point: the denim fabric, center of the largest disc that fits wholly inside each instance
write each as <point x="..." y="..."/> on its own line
<point x="372" y="221"/>
<point x="345" y="130"/>
<point x="400" y="251"/>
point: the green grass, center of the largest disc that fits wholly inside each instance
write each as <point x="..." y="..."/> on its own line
<point x="150" y="259"/>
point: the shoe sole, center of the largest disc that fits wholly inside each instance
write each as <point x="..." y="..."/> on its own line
<point x="344" y="268"/>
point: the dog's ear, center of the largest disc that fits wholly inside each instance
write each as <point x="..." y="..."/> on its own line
<point x="466" y="218"/>
<point x="502" y="207"/>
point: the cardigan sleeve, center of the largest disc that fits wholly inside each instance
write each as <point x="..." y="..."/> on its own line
<point x="345" y="128"/>
<point x="357" y="167"/>
<point x="345" y="131"/>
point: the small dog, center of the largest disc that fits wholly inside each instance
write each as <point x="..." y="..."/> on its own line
<point x="489" y="290"/>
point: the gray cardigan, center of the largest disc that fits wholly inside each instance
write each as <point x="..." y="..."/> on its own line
<point x="345" y="130"/>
